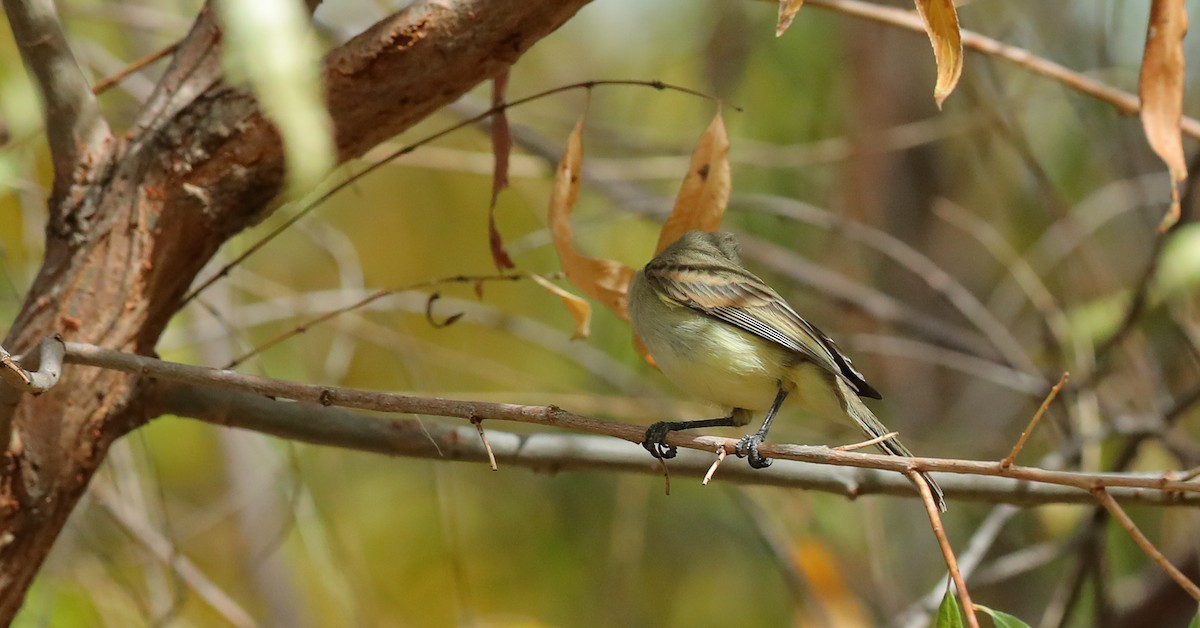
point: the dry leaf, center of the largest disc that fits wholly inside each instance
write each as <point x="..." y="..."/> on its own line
<point x="606" y="281"/>
<point x="579" y="309"/>
<point x="1161" y="91"/>
<point x="501" y="149"/>
<point x="787" y="13"/>
<point x="705" y="190"/>
<point x="941" y="23"/>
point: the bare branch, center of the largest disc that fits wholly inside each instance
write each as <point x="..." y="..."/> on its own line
<point x="1037" y="416"/>
<point x="933" y="509"/>
<point x="76" y="130"/>
<point x="335" y="427"/>
<point x="1144" y="543"/>
<point x="1167" y="490"/>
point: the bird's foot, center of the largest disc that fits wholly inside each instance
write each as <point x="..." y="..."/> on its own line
<point x="655" y="440"/>
<point x="747" y="447"/>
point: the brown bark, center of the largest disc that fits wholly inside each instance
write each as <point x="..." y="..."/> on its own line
<point x="200" y="165"/>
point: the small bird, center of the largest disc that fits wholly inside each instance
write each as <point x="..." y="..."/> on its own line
<point x="724" y="335"/>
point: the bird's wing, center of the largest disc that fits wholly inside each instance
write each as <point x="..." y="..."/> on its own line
<point x="738" y="298"/>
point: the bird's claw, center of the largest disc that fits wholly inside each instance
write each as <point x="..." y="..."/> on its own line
<point x="655" y="441"/>
<point x="747" y="447"/>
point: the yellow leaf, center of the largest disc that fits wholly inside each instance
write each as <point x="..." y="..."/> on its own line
<point x="787" y="13"/>
<point x="1161" y="91"/>
<point x="605" y="280"/>
<point x="705" y="190"/>
<point x="941" y="24"/>
<point x="579" y="309"/>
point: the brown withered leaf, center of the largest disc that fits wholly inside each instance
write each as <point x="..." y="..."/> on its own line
<point x="1161" y="89"/>
<point x="579" y="309"/>
<point x="605" y="280"/>
<point x="501" y="149"/>
<point x="705" y="190"/>
<point x="787" y="13"/>
<point x="941" y="24"/>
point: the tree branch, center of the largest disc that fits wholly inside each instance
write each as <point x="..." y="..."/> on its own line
<point x="380" y="436"/>
<point x="76" y="131"/>
<point x="549" y="452"/>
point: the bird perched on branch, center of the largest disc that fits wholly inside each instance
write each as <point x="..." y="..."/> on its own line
<point x="723" y="335"/>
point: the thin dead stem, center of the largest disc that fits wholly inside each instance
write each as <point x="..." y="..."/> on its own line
<point x="867" y="443"/>
<point x="486" y="445"/>
<point x="371" y="298"/>
<point x="939" y="531"/>
<point x="716" y="463"/>
<point x="1123" y="519"/>
<point x="1037" y="416"/>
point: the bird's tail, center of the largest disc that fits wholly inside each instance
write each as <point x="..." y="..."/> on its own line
<point x="871" y="426"/>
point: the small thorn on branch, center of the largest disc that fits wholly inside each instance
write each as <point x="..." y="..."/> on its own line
<point x="1037" y="416"/>
<point x="716" y="463"/>
<point x="867" y="443"/>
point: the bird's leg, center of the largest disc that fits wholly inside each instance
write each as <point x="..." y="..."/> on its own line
<point x="655" y="440"/>
<point x="748" y="445"/>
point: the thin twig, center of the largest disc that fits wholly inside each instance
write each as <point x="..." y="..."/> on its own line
<point x="666" y="476"/>
<point x="106" y="83"/>
<point x="867" y="443"/>
<point x="486" y="445"/>
<point x="371" y="298"/>
<point x="1190" y="474"/>
<point x="1037" y="416"/>
<point x="935" y="522"/>
<point x="716" y="463"/>
<point x="1123" y="519"/>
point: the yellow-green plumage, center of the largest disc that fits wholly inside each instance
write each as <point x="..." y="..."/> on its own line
<point x="720" y="333"/>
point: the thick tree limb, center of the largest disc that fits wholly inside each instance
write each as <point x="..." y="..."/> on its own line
<point x="77" y="132"/>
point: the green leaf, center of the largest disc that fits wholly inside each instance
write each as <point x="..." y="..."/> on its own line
<point x="270" y="44"/>
<point x="1195" y="623"/>
<point x="948" y="615"/>
<point x="1002" y="619"/>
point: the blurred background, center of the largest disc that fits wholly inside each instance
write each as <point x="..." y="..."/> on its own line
<point x="963" y="257"/>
